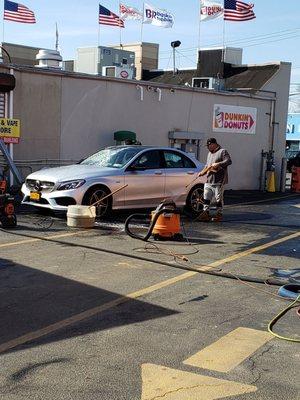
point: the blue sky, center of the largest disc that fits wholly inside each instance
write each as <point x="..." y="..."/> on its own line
<point x="273" y="36"/>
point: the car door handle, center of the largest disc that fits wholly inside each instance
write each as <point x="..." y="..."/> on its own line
<point x="157" y="172"/>
<point x="190" y="172"/>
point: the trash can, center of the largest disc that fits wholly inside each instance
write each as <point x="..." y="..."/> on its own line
<point x="295" y="184"/>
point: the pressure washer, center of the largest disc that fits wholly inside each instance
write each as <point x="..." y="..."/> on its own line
<point x="165" y="223"/>
<point x="8" y="217"/>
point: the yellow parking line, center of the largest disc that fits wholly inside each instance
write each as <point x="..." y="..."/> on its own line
<point x="163" y="383"/>
<point x="134" y="295"/>
<point x="34" y="240"/>
<point x="229" y="351"/>
<point x="253" y="250"/>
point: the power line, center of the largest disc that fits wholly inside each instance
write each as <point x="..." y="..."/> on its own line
<point x="281" y="35"/>
<point x="183" y="55"/>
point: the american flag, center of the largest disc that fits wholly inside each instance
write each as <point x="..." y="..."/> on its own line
<point x="238" y="11"/>
<point x="107" y="17"/>
<point x="18" y="13"/>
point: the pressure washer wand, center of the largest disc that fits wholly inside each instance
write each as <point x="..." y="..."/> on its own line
<point x="110" y="194"/>
<point x="202" y="173"/>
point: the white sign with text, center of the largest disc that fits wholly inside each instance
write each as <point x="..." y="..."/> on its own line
<point x="234" y="119"/>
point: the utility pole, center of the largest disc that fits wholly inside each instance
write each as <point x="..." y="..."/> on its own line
<point x="175" y="44"/>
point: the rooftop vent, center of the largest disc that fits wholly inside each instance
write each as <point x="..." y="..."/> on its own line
<point x="49" y="59"/>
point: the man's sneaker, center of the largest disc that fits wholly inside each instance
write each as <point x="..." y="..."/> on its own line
<point x="204" y="217"/>
<point x="218" y="217"/>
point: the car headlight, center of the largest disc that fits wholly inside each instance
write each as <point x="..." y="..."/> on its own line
<point x="71" y="185"/>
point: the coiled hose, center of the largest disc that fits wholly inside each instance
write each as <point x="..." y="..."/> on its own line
<point x="145" y="238"/>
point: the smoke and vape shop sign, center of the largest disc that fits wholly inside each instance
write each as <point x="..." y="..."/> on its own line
<point x="234" y="119"/>
<point x="10" y="130"/>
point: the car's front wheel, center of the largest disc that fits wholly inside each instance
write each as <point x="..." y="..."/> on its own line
<point x="194" y="201"/>
<point x="94" y="195"/>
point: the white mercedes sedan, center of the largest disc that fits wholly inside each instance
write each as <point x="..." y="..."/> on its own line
<point x="151" y="174"/>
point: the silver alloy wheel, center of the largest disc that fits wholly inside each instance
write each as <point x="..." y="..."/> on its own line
<point x="196" y="200"/>
<point x="102" y="207"/>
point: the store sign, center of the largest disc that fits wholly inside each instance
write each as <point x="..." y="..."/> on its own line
<point x="124" y="74"/>
<point x="10" y="130"/>
<point x="11" y="140"/>
<point x="234" y="119"/>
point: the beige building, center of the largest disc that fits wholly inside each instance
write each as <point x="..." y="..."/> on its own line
<point x="67" y="116"/>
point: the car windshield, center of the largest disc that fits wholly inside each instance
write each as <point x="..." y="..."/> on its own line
<point x="112" y="157"/>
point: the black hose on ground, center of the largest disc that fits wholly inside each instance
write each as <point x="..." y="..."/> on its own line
<point x="133" y="235"/>
<point x="272" y="282"/>
<point x="169" y="207"/>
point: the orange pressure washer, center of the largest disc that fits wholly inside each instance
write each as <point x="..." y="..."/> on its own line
<point x="8" y="217"/>
<point x="165" y="223"/>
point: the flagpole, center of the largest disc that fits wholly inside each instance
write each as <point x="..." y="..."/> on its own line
<point x="223" y="45"/>
<point x="199" y="29"/>
<point x="142" y="25"/>
<point x="1" y="55"/>
<point x="98" y="33"/>
<point x="120" y="27"/>
<point x="99" y="26"/>
<point x="56" y="37"/>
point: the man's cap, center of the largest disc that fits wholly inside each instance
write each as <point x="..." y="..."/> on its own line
<point x="211" y="141"/>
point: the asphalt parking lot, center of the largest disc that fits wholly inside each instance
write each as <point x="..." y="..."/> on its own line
<point x="95" y="314"/>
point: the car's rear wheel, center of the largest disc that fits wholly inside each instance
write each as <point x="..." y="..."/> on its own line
<point x="94" y="195"/>
<point x="194" y="201"/>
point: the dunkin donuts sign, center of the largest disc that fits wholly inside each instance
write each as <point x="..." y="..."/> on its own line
<point x="234" y="119"/>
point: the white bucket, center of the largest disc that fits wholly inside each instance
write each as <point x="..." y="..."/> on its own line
<point x="81" y="216"/>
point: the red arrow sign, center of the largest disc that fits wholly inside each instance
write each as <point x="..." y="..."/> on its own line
<point x="251" y="122"/>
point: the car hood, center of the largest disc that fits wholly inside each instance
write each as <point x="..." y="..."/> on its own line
<point x="72" y="172"/>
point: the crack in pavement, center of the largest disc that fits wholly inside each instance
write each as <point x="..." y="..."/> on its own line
<point x="253" y="364"/>
<point x="185" y="388"/>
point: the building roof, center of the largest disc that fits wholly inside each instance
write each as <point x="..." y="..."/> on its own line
<point x="180" y="78"/>
<point x="254" y="77"/>
<point x="244" y="76"/>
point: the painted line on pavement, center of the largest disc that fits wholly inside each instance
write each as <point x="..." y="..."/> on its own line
<point x="160" y="382"/>
<point x="34" y="240"/>
<point x="230" y="350"/>
<point x="134" y="295"/>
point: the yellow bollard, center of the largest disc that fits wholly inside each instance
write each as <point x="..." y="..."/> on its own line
<point x="270" y="181"/>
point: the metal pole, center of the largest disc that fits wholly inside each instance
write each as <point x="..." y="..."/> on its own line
<point x="11" y="115"/>
<point x="262" y="176"/>
<point x="10" y="162"/>
<point x="174" y="66"/>
<point x="283" y="175"/>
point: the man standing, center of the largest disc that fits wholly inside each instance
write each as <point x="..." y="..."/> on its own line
<point x="217" y="162"/>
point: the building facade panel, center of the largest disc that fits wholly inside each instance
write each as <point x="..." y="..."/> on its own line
<point x="68" y="116"/>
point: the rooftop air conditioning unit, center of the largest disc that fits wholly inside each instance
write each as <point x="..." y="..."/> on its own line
<point x="207" y="83"/>
<point x="124" y="72"/>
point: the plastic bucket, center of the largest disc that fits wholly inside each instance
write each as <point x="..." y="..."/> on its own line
<point x="81" y="216"/>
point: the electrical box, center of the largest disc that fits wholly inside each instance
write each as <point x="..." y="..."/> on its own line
<point x="190" y="142"/>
